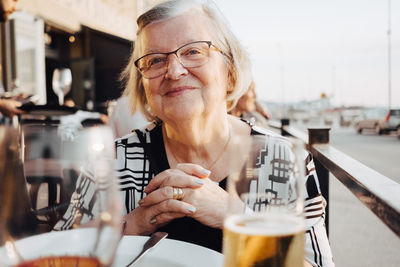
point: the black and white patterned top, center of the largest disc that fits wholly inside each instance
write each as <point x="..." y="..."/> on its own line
<point x="141" y="155"/>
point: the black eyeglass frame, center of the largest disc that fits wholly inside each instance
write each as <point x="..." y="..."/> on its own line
<point x="209" y="43"/>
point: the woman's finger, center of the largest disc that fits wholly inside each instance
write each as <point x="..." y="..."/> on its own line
<point x="166" y="217"/>
<point x="160" y="195"/>
<point x="193" y="169"/>
<point x="144" y="220"/>
<point x="173" y="177"/>
<point x="172" y="205"/>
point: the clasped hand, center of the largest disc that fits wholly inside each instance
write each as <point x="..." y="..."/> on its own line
<point x="202" y="200"/>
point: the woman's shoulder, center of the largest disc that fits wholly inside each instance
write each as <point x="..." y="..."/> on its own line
<point x="258" y="130"/>
<point x="243" y="124"/>
<point x="133" y="136"/>
<point x="264" y="131"/>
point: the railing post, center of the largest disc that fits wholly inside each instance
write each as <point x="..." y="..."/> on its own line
<point x="284" y="122"/>
<point x="321" y="136"/>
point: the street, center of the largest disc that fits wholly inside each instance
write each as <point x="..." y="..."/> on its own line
<point x="381" y="153"/>
<point x="358" y="238"/>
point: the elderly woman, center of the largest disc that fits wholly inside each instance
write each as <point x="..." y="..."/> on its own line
<point x="186" y="71"/>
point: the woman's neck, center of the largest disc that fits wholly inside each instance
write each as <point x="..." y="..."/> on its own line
<point x="207" y="147"/>
<point x="198" y="142"/>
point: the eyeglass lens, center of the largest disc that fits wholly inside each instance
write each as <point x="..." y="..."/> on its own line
<point x="190" y="55"/>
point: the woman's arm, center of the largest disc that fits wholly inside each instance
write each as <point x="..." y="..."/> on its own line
<point x="317" y="247"/>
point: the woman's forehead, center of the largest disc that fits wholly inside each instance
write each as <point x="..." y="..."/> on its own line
<point x="171" y="33"/>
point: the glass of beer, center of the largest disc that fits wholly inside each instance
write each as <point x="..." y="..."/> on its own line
<point x="58" y="194"/>
<point x="265" y="224"/>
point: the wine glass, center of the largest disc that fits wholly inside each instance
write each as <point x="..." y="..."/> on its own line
<point x="59" y="198"/>
<point x="62" y="80"/>
<point x="265" y="224"/>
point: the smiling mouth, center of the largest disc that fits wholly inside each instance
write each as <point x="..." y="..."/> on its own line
<point x="178" y="90"/>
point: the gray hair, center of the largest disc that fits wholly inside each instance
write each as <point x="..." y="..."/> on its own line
<point x="236" y="58"/>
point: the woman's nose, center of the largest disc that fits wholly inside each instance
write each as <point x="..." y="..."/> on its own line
<point x="175" y="68"/>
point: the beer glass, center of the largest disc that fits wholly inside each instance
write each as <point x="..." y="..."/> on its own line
<point x="265" y="224"/>
<point x="59" y="198"/>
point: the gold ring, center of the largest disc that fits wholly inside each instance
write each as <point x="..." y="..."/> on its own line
<point x="177" y="193"/>
<point x="180" y="193"/>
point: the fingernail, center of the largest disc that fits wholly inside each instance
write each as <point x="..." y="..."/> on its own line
<point x="206" y="172"/>
<point x="153" y="220"/>
<point x="191" y="209"/>
<point x="215" y="182"/>
<point x="199" y="181"/>
<point x="141" y="201"/>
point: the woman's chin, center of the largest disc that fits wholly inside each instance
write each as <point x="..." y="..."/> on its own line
<point x="186" y="111"/>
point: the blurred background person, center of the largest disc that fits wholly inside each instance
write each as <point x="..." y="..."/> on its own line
<point x="262" y="109"/>
<point x="9" y="107"/>
<point x="248" y="108"/>
<point x="7" y="7"/>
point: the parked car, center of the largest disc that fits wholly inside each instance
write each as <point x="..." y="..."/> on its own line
<point x="393" y="120"/>
<point x="349" y="116"/>
<point x="373" y="119"/>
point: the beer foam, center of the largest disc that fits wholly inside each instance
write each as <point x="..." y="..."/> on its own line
<point x="264" y="224"/>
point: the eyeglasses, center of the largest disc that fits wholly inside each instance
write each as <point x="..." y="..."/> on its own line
<point x="190" y="55"/>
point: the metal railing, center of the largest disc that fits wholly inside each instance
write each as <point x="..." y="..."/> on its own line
<point x="377" y="192"/>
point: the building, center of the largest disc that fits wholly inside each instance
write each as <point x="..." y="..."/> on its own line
<point x="92" y="38"/>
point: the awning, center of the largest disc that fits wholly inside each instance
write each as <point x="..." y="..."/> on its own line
<point x="69" y="15"/>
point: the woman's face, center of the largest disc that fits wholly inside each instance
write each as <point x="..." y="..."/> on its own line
<point x="184" y="93"/>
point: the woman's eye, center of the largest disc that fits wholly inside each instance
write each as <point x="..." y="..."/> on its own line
<point x="192" y="51"/>
<point x="155" y="60"/>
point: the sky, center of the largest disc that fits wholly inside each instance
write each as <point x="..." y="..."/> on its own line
<point x="303" y="48"/>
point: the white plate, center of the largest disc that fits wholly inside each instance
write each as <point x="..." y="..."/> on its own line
<point x="71" y="242"/>
<point x="168" y="253"/>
